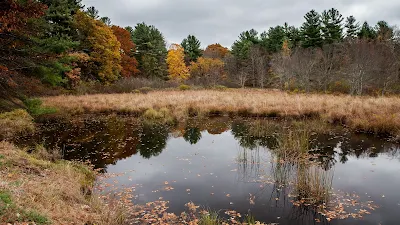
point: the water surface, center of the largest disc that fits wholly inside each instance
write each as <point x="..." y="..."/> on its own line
<point x="225" y="163"/>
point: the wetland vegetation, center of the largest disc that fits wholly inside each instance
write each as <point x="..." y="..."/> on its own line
<point x="101" y="124"/>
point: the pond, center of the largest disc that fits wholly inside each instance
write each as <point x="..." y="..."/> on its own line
<point x="285" y="172"/>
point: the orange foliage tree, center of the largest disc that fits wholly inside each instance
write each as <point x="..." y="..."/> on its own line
<point x="177" y="69"/>
<point x="105" y="56"/>
<point x="207" y="69"/>
<point x="15" y="15"/>
<point x="128" y="62"/>
<point x="215" y="51"/>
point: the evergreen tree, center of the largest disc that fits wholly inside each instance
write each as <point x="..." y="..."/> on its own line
<point x="273" y="39"/>
<point x="106" y="20"/>
<point x="383" y="31"/>
<point x="311" y="30"/>
<point x="352" y="27"/>
<point x="60" y="16"/>
<point x="241" y="47"/>
<point x="151" y="51"/>
<point x="191" y="45"/>
<point x="293" y="34"/>
<point x="92" y="12"/>
<point x="56" y="38"/>
<point x="332" y="29"/>
<point x="366" y="32"/>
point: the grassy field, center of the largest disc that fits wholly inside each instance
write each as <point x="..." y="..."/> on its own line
<point x="370" y="114"/>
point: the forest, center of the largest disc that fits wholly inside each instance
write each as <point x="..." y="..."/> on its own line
<point x="64" y="44"/>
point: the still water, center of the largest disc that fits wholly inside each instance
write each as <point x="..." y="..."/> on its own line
<point x="234" y="164"/>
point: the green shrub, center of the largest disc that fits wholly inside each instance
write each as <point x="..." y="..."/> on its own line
<point x="34" y="107"/>
<point x="145" y="90"/>
<point x="220" y="87"/>
<point x="184" y="87"/>
<point x="51" y="75"/>
<point x="161" y="116"/>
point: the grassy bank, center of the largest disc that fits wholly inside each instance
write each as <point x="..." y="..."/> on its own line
<point x="370" y="114"/>
<point x="14" y="123"/>
<point x="33" y="189"/>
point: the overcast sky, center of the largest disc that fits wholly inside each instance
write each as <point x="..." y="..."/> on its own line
<point x="221" y="21"/>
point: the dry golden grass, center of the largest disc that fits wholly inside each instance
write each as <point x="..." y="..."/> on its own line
<point x="375" y="114"/>
<point x="55" y="190"/>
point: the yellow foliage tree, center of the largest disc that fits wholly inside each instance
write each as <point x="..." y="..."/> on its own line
<point x="210" y="70"/>
<point x="105" y="56"/>
<point x="285" y="48"/>
<point x="177" y="68"/>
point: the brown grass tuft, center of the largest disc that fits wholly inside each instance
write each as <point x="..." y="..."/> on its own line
<point x="15" y="122"/>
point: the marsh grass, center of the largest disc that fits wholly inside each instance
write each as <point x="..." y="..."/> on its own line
<point x="370" y="114"/>
<point x="313" y="185"/>
<point x="59" y="191"/>
<point x="162" y="116"/>
<point x="42" y="153"/>
<point x="210" y="218"/>
<point x="15" y="122"/>
<point x="250" y="219"/>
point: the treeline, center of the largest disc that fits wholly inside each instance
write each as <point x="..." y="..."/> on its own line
<point x="327" y="53"/>
<point x="62" y="43"/>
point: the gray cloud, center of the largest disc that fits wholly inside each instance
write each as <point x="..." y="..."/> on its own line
<point x="222" y="21"/>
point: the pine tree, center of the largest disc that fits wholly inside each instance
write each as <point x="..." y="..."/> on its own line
<point x="352" y="27"/>
<point x="191" y="45"/>
<point x="151" y="51"/>
<point x="59" y="16"/>
<point x="241" y="47"/>
<point x="106" y="20"/>
<point x="311" y="30"/>
<point x="92" y="12"/>
<point x="383" y="31"/>
<point x="332" y="29"/>
<point x="56" y="37"/>
<point x="366" y="32"/>
<point x="274" y="38"/>
<point x="293" y="35"/>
